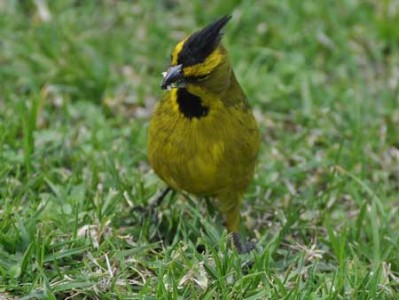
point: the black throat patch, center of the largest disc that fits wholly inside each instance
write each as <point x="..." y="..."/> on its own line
<point x="190" y="105"/>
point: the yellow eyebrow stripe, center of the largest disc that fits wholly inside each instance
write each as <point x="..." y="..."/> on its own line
<point x="176" y="51"/>
<point x="206" y="67"/>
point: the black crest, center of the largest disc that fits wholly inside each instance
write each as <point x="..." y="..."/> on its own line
<point x="201" y="43"/>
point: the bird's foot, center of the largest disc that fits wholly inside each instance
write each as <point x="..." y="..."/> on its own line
<point x="241" y="247"/>
<point x="151" y="209"/>
<point x="146" y="212"/>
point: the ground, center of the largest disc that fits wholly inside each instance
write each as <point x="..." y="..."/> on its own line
<point x="78" y="82"/>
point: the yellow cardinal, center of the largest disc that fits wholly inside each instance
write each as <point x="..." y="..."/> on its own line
<point x="203" y="137"/>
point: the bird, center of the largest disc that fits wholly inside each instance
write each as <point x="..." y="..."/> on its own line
<point x="203" y="138"/>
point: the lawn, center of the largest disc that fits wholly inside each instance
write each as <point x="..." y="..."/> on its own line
<point x="78" y="83"/>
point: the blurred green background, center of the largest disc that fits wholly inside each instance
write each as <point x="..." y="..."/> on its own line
<point x="78" y="82"/>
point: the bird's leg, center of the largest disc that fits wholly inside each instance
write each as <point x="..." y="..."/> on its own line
<point x="233" y="219"/>
<point x="232" y="224"/>
<point x="158" y="200"/>
<point x="150" y="210"/>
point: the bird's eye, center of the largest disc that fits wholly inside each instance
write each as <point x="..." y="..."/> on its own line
<point x="201" y="78"/>
<point x="194" y="79"/>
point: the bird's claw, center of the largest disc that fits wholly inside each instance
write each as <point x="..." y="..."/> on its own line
<point x="145" y="212"/>
<point x="242" y="248"/>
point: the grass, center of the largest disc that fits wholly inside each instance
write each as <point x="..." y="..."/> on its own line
<point x="78" y="80"/>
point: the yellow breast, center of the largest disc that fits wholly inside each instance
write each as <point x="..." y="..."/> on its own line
<point x="203" y="155"/>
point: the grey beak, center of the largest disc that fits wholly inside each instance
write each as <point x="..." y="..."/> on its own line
<point x="173" y="76"/>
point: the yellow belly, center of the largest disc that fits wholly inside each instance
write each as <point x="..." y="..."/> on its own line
<point x="205" y="156"/>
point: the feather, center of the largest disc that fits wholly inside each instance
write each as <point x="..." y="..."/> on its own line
<point x="202" y="43"/>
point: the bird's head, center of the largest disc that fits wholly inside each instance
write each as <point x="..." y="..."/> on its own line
<point x="199" y="59"/>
